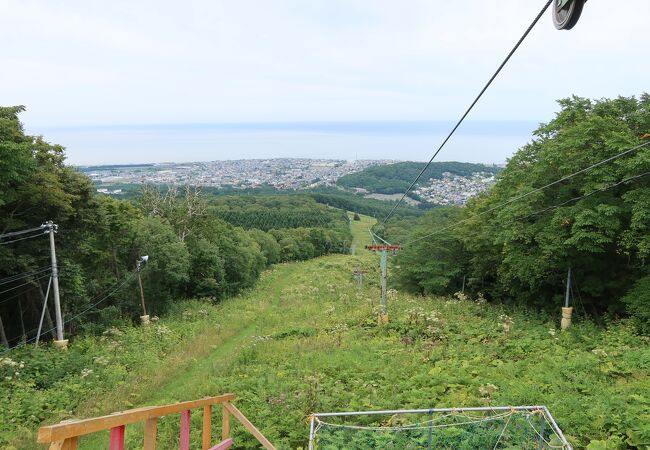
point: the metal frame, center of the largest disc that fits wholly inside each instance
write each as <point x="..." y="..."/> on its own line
<point x="544" y="409"/>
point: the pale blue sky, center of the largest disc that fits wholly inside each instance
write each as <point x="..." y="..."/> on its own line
<point x="106" y="78"/>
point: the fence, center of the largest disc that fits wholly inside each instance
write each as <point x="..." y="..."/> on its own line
<point x="480" y="427"/>
<point x="64" y="436"/>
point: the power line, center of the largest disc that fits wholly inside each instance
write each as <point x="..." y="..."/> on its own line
<point x="21" y="232"/>
<point x="23" y="275"/>
<point x="25" y="284"/>
<point x="18" y="294"/>
<point x="462" y="119"/>
<point x="21" y="239"/>
<point x="574" y="199"/>
<point x="527" y="194"/>
<point x="126" y="280"/>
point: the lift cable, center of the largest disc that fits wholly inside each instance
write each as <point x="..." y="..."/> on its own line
<point x="462" y="119"/>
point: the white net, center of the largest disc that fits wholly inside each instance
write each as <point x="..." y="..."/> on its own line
<point x="472" y="428"/>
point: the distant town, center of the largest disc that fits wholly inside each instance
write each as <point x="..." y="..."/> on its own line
<point x="280" y="174"/>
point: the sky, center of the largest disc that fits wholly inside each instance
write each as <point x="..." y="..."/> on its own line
<point x="153" y="81"/>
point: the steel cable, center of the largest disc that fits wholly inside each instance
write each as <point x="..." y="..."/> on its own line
<point x="462" y="119"/>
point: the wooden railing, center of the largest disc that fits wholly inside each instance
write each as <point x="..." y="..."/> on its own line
<point x="64" y="436"/>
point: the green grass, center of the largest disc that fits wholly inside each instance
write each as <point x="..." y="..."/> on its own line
<point x="360" y="228"/>
<point x="306" y="339"/>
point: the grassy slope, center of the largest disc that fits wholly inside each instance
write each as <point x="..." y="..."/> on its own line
<point x="360" y="231"/>
<point x="305" y="339"/>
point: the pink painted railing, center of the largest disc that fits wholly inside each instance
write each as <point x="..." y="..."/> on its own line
<point x="65" y="436"/>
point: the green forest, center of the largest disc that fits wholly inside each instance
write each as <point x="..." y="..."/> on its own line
<point x="396" y="178"/>
<point x="197" y="247"/>
<point x="334" y="197"/>
<point x="255" y="294"/>
<point x="597" y="223"/>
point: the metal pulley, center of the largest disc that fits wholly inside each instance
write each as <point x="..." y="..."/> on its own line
<point x="566" y="13"/>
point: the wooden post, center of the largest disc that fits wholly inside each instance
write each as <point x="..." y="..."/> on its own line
<point x="225" y="428"/>
<point x="207" y="427"/>
<point x="567" y="311"/>
<point x="150" y="433"/>
<point x="68" y="444"/>
<point x="71" y="443"/>
<point x="185" y="430"/>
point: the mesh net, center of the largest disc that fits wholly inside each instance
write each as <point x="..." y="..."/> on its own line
<point x="512" y="429"/>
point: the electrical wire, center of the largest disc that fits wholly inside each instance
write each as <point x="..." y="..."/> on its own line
<point x="23" y="275"/>
<point x="21" y="239"/>
<point x="18" y="233"/>
<point x="462" y="119"/>
<point x="574" y="199"/>
<point x="103" y="299"/>
<point x="534" y="191"/>
<point x="18" y="294"/>
<point x="24" y="284"/>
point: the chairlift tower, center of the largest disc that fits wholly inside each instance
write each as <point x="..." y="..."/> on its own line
<point x="383" y="264"/>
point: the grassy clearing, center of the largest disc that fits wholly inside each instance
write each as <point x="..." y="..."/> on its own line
<point x="360" y="231"/>
<point x="306" y="340"/>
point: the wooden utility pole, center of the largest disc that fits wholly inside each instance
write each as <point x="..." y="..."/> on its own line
<point x="567" y="310"/>
<point x="144" y="318"/>
<point x="383" y="265"/>
<point x="59" y="342"/>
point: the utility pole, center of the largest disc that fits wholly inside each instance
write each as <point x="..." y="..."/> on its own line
<point x="383" y="265"/>
<point x="567" y="311"/>
<point x="144" y="318"/>
<point x="59" y="342"/>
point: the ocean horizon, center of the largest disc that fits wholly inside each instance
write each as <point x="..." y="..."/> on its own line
<point x="484" y="141"/>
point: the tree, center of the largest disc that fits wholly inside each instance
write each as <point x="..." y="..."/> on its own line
<point x="167" y="270"/>
<point x="268" y="245"/>
<point x="596" y="222"/>
<point x="435" y="264"/>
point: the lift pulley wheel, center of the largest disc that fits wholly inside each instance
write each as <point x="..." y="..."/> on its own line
<point x="566" y="13"/>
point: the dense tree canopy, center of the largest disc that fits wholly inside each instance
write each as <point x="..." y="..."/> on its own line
<point x="192" y="250"/>
<point x="597" y="223"/>
<point x="396" y="178"/>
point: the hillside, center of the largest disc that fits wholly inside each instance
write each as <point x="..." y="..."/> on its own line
<point x="305" y="339"/>
<point x="396" y="178"/>
<point x="273" y="212"/>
